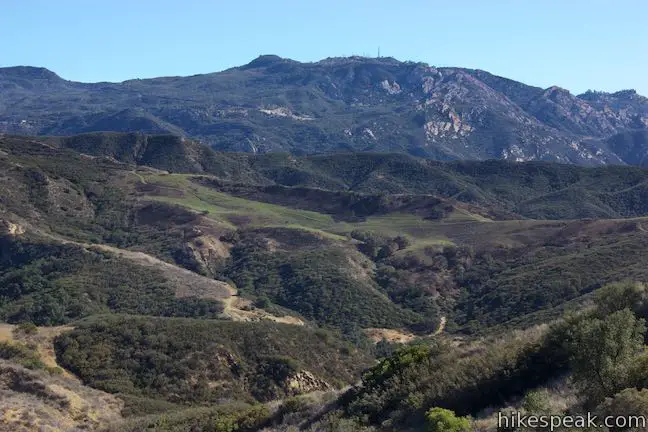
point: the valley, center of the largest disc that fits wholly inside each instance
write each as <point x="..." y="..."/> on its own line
<point x="269" y="292"/>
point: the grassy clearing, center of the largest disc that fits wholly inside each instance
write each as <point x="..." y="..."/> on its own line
<point x="398" y="223"/>
<point x="459" y="227"/>
<point x="234" y="211"/>
<point x="227" y="208"/>
<point x="463" y="215"/>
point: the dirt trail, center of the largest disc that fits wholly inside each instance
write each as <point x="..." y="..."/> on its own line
<point x="239" y="309"/>
<point x="186" y="282"/>
<point x="139" y="176"/>
<point x="398" y="336"/>
<point x="45" y="342"/>
<point x="390" y="335"/>
<point x="190" y="284"/>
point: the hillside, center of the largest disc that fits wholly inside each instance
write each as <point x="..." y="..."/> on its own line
<point x="37" y="394"/>
<point x="349" y="243"/>
<point x="160" y="285"/>
<point x="183" y="361"/>
<point x="499" y="189"/>
<point x="338" y="105"/>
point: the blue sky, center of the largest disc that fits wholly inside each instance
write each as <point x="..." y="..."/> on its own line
<point x="576" y="44"/>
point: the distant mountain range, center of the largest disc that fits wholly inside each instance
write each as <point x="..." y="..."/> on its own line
<point x="338" y="105"/>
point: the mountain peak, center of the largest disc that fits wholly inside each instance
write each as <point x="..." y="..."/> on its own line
<point x="556" y="90"/>
<point x="265" y="61"/>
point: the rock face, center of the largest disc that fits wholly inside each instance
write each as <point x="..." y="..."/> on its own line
<point x="337" y="104"/>
<point x="305" y="382"/>
<point x="208" y="251"/>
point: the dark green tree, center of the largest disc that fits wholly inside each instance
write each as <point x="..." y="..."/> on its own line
<point x="621" y="295"/>
<point x="603" y="353"/>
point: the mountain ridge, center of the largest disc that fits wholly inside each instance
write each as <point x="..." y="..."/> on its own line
<point x="534" y="189"/>
<point x="333" y="105"/>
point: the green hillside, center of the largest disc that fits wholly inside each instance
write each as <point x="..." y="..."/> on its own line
<point x="538" y="190"/>
<point x="203" y="362"/>
<point x="201" y="288"/>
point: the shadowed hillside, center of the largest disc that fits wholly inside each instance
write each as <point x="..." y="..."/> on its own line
<point x="498" y="189"/>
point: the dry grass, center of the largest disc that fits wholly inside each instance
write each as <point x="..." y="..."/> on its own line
<point x="41" y="401"/>
<point x="37" y="401"/>
<point x="6" y="332"/>
<point x="463" y="226"/>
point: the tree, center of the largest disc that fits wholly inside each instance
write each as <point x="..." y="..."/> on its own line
<point x="621" y="295"/>
<point x="537" y="402"/>
<point x="602" y="353"/>
<point x="396" y="364"/>
<point x="402" y="241"/>
<point x="444" y="420"/>
<point x="387" y="250"/>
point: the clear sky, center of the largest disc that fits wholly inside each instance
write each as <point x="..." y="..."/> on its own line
<point x="576" y="44"/>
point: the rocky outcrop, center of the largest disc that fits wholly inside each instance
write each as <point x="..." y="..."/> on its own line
<point x="391" y="88"/>
<point x="284" y="112"/>
<point x="354" y="103"/>
<point x="208" y="251"/>
<point x="305" y="382"/>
